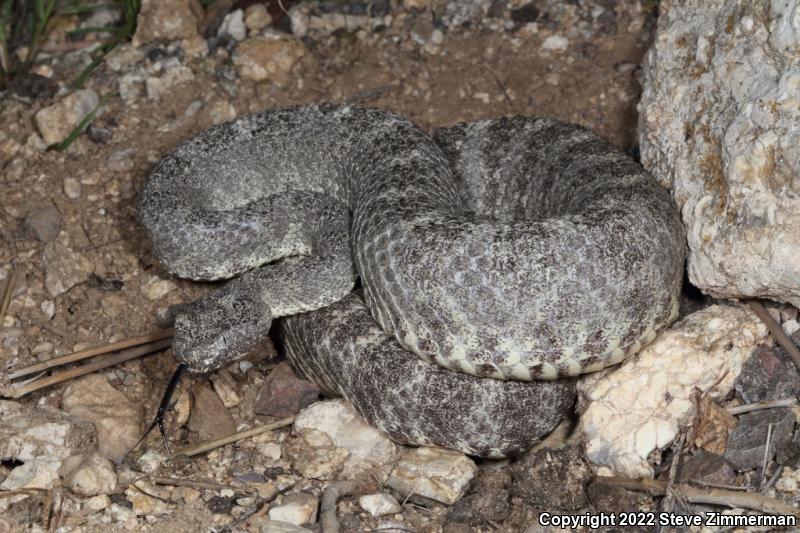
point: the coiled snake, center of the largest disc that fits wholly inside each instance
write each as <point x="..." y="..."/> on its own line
<point x="517" y="249"/>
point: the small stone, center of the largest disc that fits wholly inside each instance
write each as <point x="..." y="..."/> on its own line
<point x="270" y="451"/>
<point x="156" y="288"/>
<point x="167" y="20"/>
<point x="313" y="456"/>
<point x="97" y="503"/>
<point x="438" y="474"/>
<point x="225" y="387"/>
<point x="379" y="504"/>
<point x="144" y="504"/>
<point x="416" y="4"/>
<point x="121" y="160"/>
<point x="555" y="43"/>
<point x="98" y="134"/>
<point x="64" y="268"/>
<point x="298" y="509"/>
<point x="150" y="461"/>
<point x="72" y="188"/>
<point x="746" y="445"/>
<point x="550" y="478"/>
<point x="256" y="17"/>
<point x="118" y="420"/>
<point x="209" y="417"/>
<point x="268" y="59"/>
<point x="222" y="111"/>
<point x="707" y="467"/>
<point x="370" y="450"/>
<point x="57" y="121"/>
<point x="769" y="374"/>
<point x="525" y="14"/>
<point x="173" y="75"/>
<point x="276" y="526"/>
<point x="233" y="24"/>
<point x="89" y="475"/>
<point x="284" y="394"/>
<point x="48" y="307"/>
<point x="43" y="223"/>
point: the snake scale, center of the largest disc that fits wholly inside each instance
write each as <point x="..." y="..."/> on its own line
<point x="519" y="249"/>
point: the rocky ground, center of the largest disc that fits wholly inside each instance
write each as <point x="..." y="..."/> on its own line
<point x="82" y="275"/>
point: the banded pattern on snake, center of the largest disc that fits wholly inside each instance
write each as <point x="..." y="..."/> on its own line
<point x="516" y="249"/>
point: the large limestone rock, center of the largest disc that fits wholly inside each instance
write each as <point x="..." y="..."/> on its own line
<point x="718" y="125"/>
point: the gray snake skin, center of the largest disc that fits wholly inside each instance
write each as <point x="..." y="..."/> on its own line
<point x="516" y="249"/>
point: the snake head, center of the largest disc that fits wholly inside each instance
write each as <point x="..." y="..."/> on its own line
<point x="220" y="328"/>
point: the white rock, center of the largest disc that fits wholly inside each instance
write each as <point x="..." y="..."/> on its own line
<point x="28" y="433"/>
<point x="72" y="188"/>
<point x="156" y="288"/>
<point x="370" y="449"/>
<point x="233" y="25"/>
<point x="39" y="473"/>
<point x="89" y="475"/>
<point x="118" y="419"/>
<point x="256" y="17"/>
<point x="64" y="268"/>
<point x="379" y="504"/>
<point x="555" y="43"/>
<point x="441" y="475"/>
<point x="48" y="307"/>
<point x="718" y="125"/>
<point x="97" y="503"/>
<point x="57" y="121"/>
<point x="298" y="509"/>
<point x="640" y="406"/>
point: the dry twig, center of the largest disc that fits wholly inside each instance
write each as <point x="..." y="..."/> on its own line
<point x="216" y="443"/>
<point x="769" y="404"/>
<point x="727" y="498"/>
<point x="18" y="390"/>
<point x="776" y="331"/>
<point x="332" y="493"/>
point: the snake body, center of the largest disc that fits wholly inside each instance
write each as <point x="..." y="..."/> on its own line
<point x="516" y="249"/>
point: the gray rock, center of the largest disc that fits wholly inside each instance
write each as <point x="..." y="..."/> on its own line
<point x="707" y="467"/>
<point x="552" y="478"/>
<point x="769" y="374"/>
<point x="276" y="526"/>
<point x="718" y="125"/>
<point x="44" y="222"/>
<point x="789" y="455"/>
<point x="747" y="443"/>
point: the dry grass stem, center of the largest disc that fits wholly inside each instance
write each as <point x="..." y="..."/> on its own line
<point x="90" y="352"/>
<point x="235" y="437"/>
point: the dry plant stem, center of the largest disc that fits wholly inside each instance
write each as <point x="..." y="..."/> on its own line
<point x="766" y="457"/>
<point x="332" y="493"/>
<point x="727" y="498"/>
<point x="90" y="352"/>
<point x="776" y="331"/>
<point x="216" y="443"/>
<point x="14" y="391"/>
<point x="769" y="404"/>
<point x="191" y="483"/>
<point x="8" y="288"/>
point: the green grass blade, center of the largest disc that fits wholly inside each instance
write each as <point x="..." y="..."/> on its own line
<point x="76" y="132"/>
